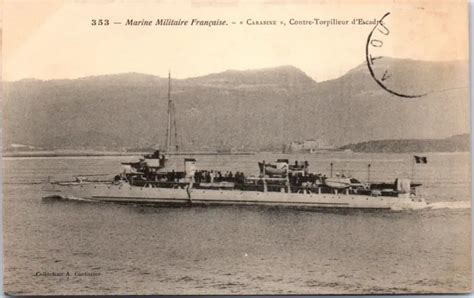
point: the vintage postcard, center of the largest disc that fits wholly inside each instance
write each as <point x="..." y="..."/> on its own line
<point x="236" y="147"/>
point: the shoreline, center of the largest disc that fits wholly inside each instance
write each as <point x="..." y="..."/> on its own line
<point x="46" y="154"/>
<point x="108" y="153"/>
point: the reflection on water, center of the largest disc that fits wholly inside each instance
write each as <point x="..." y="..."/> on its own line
<point x="225" y="250"/>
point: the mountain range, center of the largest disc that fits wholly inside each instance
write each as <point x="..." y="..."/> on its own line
<point x="246" y="110"/>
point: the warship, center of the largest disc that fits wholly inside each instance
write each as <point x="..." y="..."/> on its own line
<point x="150" y="181"/>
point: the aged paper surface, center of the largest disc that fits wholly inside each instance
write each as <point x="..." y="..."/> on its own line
<point x="305" y="147"/>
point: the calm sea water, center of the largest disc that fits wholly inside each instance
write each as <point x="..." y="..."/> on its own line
<point x="246" y="250"/>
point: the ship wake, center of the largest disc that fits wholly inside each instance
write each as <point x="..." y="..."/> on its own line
<point x="450" y="205"/>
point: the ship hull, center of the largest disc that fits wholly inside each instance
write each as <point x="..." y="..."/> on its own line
<point x="125" y="193"/>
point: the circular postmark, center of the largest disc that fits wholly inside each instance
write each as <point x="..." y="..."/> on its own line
<point x="376" y="40"/>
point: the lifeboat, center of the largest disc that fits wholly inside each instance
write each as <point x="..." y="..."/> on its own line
<point x="344" y="182"/>
<point x="338" y="182"/>
<point x="281" y="167"/>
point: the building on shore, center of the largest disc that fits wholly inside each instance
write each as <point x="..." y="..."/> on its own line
<point x="308" y="146"/>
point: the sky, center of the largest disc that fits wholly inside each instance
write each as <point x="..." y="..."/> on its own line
<point x="50" y="39"/>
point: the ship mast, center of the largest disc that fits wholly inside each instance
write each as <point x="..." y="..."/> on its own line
<point x="168" y="128"/>
<point x="171" y="120"/>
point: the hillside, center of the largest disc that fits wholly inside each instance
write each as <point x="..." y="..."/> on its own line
<point x="458" y="143"/>
<point x="240" y="109"/>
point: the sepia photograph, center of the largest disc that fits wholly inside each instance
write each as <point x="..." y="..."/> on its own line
<point x="231" y="147"/>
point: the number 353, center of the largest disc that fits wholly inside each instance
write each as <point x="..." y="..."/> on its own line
<point x="99" y="22"/>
